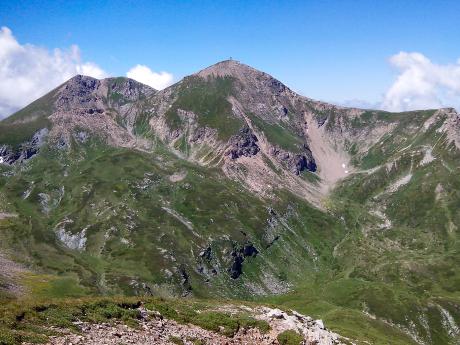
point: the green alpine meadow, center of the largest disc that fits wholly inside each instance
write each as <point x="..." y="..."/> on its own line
<point x="221" y="206"/>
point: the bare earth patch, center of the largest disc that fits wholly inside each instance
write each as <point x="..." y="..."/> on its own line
<point x="10" y="271"/>
<point x="178" y="176"/>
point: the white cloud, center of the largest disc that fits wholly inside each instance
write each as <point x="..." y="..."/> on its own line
<point x="27" y="72"/>
<point x="422" y="84"/>
<point x="145" y="75"/>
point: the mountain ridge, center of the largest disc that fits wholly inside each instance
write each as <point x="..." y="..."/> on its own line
<point x="260" y="97"/>
<point x="228" y="184"/>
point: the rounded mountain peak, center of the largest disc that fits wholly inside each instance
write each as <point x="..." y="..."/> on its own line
<point x="247" y="75"/>
<point x="231" y="68"/>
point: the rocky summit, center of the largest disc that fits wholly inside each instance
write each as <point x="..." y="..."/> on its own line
<point x="226" y="186"/>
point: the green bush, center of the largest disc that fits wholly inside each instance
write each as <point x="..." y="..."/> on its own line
<point x="289" y="337"/>
<point x="176" y="340"/>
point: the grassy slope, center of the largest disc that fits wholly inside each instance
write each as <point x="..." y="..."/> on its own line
<point x="20" y="126"/>
<point x="279" y="135"/>
<point x="208" y="100"/>
<point x="120" y="196"/>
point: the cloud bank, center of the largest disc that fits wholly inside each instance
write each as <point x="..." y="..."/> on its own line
<point x="145" y="75"/>
<point x="27" y="72"/>
<point x="422" y="84"/>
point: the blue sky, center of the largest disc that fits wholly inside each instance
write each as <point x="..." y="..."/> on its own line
<point x="330" y="50"/>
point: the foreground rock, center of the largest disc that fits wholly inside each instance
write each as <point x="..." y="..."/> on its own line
<point x="154" y="329"/>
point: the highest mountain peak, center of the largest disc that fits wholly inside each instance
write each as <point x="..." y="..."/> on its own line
<point x="251" y="79"/>
<point x="228" y="68"/>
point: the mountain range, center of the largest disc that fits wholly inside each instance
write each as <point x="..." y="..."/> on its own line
<point x="228" y="184"/>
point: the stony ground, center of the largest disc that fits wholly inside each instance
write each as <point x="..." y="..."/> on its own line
<point x="154" y="329"/>
<point x="9" y="272"/>
<point x="4" y="215"/>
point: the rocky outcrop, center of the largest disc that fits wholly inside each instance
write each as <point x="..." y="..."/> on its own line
<point x="207" y="264"/>
<point x="237" y="266"/>
<point x="295" y="162"/>
<point x="25" y="151"/>
<point x="243" y="144"/>
<point x="450" y="124"/>
<point x="239" y="255"/>
<point x="185" y="281"/>
<point x="72" y="241"/>
<point x="86" y="107"/>
<point x="83" y="92"/>
<point x="312" y="331"/>
<point x="206" y="254"/>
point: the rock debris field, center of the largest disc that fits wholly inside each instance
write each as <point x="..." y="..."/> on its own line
<point x="154" y="329"/>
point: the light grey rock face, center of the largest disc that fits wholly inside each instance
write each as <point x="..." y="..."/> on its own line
<point x="313" y="331"/>
<point x="450" y="125"/>
<point x="44" y="202"/>
<point x="72" y="241"/>
<point x="5" y="154"/>
<point x="49" y="200"/>
<point x="39" y="137"/>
